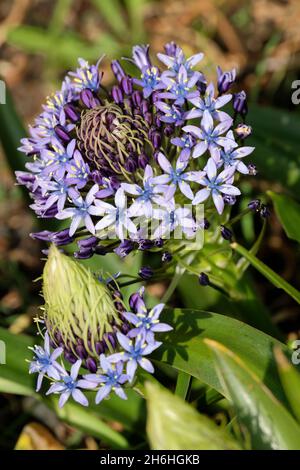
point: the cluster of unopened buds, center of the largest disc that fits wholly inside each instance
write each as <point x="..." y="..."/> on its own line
<point x="86" y="323"/>
<point x="153" y="148"/>
<point x="149" y="152"/>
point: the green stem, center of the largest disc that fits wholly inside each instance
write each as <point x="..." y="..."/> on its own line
<point x="239" y="216"/>
<point x="170" y="290"/>
<point x="182" y="384"/>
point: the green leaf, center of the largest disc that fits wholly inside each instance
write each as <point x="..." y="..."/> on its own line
<point x="290" y="379"/>
<point x="135" y="10"/>
<point x="86" y="421"/>
<point x="11" y="132"/>
<point x="35" y="40"/>
<point x="273" y="277"/>
<point x="112" y="13"/>
<point x="14" y="376"/>
<point x="185" y="350"/>
<point x="268" y="422"/>
<point x="288" y="213"/>
<point x="173" y="424"/>
<point x="276" y="138"/>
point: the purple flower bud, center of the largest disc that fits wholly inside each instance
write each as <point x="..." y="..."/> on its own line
<point x="140" y="56"/>
<point x="203" y="279"/>
<point x="252" y="169"/>
<point x="70" y="357"/>
<point x="96" y="177"/>
<point x="146" y="272"/>
<point x="148" y="117"/>
<point x="110" y="337"/>
<point x="254" y="205"/>
<point x="204" y="224"/>
<point x="114" y="183"/>
<point x="117" y="70"/>
<point x="264" y="211"/>
<point x="136" y="301"/>
<point x="243" y="131"/>
<point x="143" y="160"/>
<point x="145" y="245"/>
<point x="126" y="84"/>
<point x="166" y="257"/>
<point x="130" y="165"/>
<point x="225" y="80"/>
<point x="226" y="233"/>
<point x="240" y="103"/>
<point x="61" y="132"/>
<point x="201" y="86"/>
<point x="125" y="328"/>
<point x="156" y="139"/>
<point x="91" y="365"/>
<point x="89" y="242"/>
<point x="88" y="99"/>
<point x="81" y="351"/>
<point x="99" y="347"/>
<point x="229" y="200"/>
<point x="137" y="98"/>
<point x="157" y="120"/>
<point x="124" y="248"/>
<point x="62" y="237"/>
<point x="71" y="112"/>
<point x="159" y="243"/>
<point x="84" y="253"/>
<point x="168" y="130"/>
<point x="145" y="107"/>
<point x="117" y="94"/>
<point x="26" y="179"/>
<point x="44" y="235"/>
<point x="171" y="48"/>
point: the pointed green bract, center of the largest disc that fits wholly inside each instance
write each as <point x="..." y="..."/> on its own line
<point x="172" y="424"/>
<point x="77" y="305"/>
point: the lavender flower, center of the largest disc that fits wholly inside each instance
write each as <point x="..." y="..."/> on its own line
<point x="180" y="89"/>
<point x="210" y="104"/>
<point x="172" y="217"/>
<point x="111" y="379"/>
<point x="69" y="386"/>
<point x="209" y="137"/>
<point x="86" y="76"/>
<point x="176" y="177"/>
<point x="44" y="362"/>
<point x="186" y="142"/>
<point x="145" y="196"/>
<point x="216" y="185"/>
<point x="149" y="81"/>
<point x="116" y="216"/>
<point x="82" y="211"/>
<point x="134" y="354"/>
<point x="146" y="323"/>
<point x="177" y="59"/>
<point x="225" y="80"/>
<point x="57" y="158"/>
<point x="78" y="171"/>
<point x="172" y="114"/>
<point x="230" y="155"/>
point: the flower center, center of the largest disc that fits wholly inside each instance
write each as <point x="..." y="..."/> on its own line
<point x="109" y="136"/>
